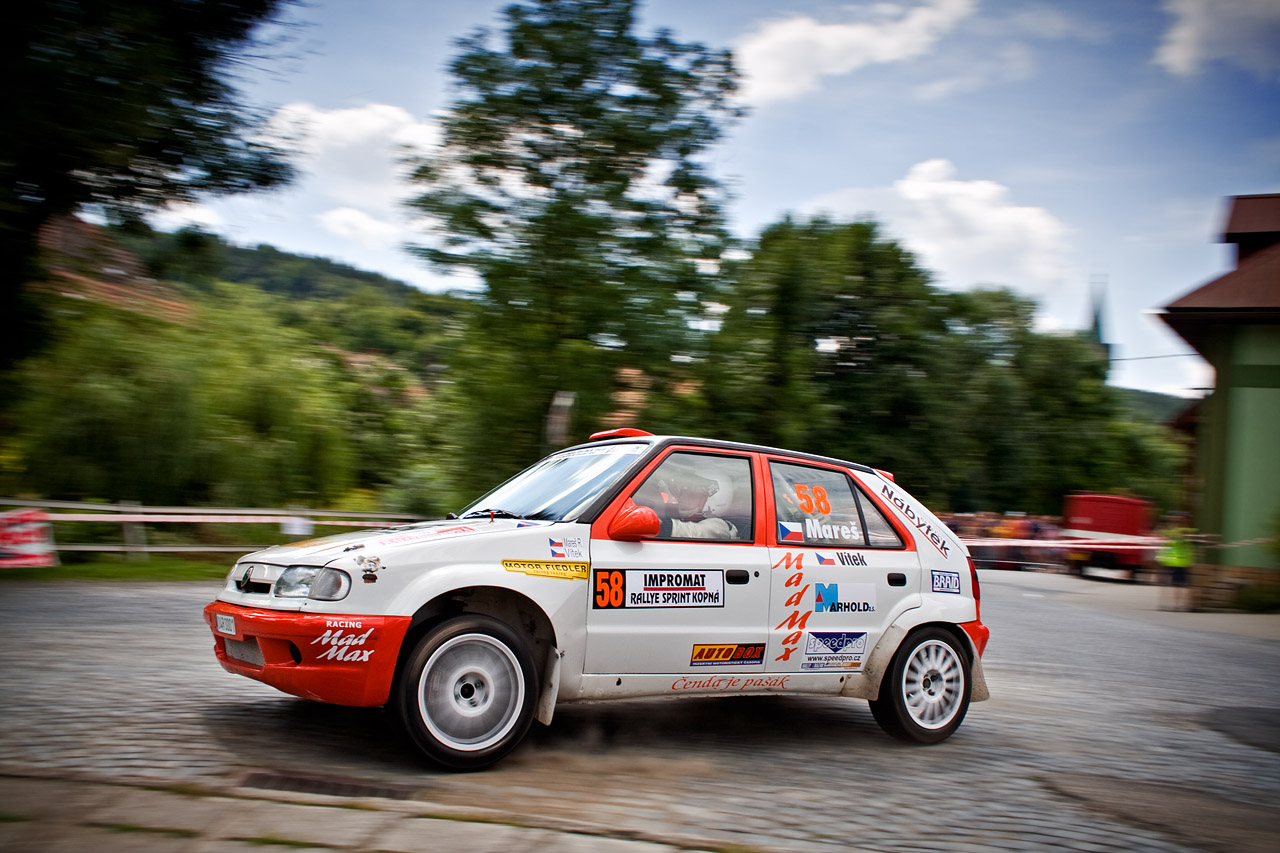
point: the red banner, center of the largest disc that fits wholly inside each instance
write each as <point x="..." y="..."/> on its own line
<point x="26" y="540"/>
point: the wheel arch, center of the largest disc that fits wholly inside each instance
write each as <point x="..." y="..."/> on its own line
<point x="881" y="658"/>
<point x="521" y="613"/>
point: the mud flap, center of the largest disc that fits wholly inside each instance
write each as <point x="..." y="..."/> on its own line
<point x="978" y="692"/>
<point x="550" y="687"/>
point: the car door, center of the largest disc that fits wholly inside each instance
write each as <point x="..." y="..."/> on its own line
<point x="840" y="570"/>
<point x="694" y="598"/>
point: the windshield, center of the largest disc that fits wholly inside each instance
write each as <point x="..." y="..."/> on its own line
<point x="560" y="486"/>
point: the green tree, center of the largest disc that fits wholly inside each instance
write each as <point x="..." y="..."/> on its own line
<point x="836" y="343"/>
<point x="572" y="179"/>
<point x="121" y="107"/>
<point x="121" y="405"/>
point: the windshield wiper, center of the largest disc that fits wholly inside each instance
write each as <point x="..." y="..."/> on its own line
<point x="492" y="513"/>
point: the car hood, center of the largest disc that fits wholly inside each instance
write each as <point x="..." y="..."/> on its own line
<point x="326" y="548"/>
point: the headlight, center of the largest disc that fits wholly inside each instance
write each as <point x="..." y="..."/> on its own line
<point x="313" y="582"/>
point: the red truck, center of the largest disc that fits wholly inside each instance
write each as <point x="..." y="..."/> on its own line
<point x="1111" y="519"/>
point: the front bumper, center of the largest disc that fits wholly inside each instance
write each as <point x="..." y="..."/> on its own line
<point x="340" y="659"/>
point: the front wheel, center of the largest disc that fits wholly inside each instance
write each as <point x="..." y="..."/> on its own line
<point x="467" y="692"/>
<point x="925" y="694"/>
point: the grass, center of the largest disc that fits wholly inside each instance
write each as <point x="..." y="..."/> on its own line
<point x="114" y="567"/>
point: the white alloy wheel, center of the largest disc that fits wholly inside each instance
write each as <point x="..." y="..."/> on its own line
<point x="470" y="692"/>
<point x="466" y="692"/>
<point x="925" y="694"/>
<point x="933" y="683"/>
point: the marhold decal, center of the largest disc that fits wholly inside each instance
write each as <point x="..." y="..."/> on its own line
<point x="946" y="581"/>
<point x="616" y="588"/>
<point x="729" y="682"/>
<point x="342" y="646"/>
<point x="909" y="512"/>
<point x="795" y="621"/>
<point x="844" y="598"/>
<point x="726" y="654"/>
<point x="831" y="650"/>
<point x="549" y="568"/>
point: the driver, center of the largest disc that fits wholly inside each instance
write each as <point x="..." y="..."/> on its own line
<point x="689" y="505"/>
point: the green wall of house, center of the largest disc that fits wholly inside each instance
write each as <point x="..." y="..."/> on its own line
<point x="1240" y="444"/>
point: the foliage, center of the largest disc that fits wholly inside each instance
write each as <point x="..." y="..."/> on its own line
<point x="571" y="180"/>
<point x="122" y="107"/>
<point x="353" y="310"/>
<point x="837" y="344"/>
<point x="1151" y="406"/>
<point x="129" y="407"/>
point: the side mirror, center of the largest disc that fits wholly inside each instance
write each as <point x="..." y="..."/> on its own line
<point x="634" y="523"/>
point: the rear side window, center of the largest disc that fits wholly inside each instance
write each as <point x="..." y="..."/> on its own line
<point x="820" y="506"/>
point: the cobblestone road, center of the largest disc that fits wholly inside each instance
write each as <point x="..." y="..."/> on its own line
<point x="1103" y="733"/>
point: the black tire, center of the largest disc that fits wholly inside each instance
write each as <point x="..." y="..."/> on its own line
<point x="925" y="694"/>
<point x="467" y="691"/>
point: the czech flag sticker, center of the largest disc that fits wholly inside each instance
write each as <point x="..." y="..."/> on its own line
<point x="557" y="548"/>
<point x="790" y="532"/>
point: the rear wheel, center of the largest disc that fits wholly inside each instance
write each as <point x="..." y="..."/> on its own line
<point x="925" y="695"/>
<point x="467" y="692"/>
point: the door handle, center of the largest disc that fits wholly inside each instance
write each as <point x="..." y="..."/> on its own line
<point x="737" y="576"/>
<point x="897" y="579"/>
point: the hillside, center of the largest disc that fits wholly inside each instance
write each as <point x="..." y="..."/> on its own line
<point x="1151" y="407"/>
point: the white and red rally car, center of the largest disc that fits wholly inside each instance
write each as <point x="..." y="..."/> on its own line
<point x="635" y="565"/>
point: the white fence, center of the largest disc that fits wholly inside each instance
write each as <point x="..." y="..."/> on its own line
<point x="134" y="518"/>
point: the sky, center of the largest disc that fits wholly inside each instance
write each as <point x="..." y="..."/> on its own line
<point x="1061" y="148"/>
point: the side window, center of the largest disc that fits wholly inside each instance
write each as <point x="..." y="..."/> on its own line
<point x="701" y="496"/>
<point x="819" y="506"/>
<point x="880" y="533"/>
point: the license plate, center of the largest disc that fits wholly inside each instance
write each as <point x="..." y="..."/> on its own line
<point x="226" y="623"/>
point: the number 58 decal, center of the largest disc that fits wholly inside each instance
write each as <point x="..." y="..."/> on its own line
<point x="610" y="588"/>
<point x="813" y="497"/>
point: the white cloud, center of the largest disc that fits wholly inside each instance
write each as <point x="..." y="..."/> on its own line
<point x="355" y="155"/>
<point x="1012" y="62"/>
<point x="965" y="232"/>
<point x="173" y="216"/>
<point x="784" y="59"/>
<point x="351" y="224"/>
<point x="1050" y="22"/>
<point x="1243" y="32"/>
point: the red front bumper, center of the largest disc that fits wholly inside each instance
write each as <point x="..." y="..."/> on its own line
<point x="344" y="660"/>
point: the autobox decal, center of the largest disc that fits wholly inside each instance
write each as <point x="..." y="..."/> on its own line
<point x="726" y="654"/>
<point x="566" y="569"/>
<point x="909" y="512"/>
<point x="622" y="588"/>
